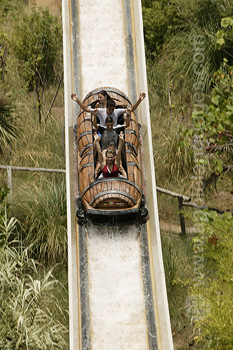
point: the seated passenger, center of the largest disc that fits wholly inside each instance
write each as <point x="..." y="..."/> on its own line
<point x="103" y="113"/>
<point x="108" y="134"/>
<point x="109" y="124"/>
<point x="103" y="97"/>
<point x="111" y="146"/>
<point x="110" y="165"/>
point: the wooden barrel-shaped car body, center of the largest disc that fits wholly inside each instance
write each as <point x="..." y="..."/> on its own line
<point x="106" y="198"/>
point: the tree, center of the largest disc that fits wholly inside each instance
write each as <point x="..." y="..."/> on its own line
<point x="159" y="18"/>
<point x="37" y="43"/>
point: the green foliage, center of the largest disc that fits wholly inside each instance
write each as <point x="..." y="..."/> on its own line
<point x="181" y="35"/>
<point x="7" y="127"/>
<point x="171" y="160"/>
<point x="3" y="49"/>
<point x="37" y="43"/>
<point x="6" y="6"/>
<point x="27" y="302"/>
<point x="40" y="146"/>
<point x="31" y="314"/>
<point x="174" y="160"/>
<point x="177" y="258"/>
<point x="213" y="123"/>
<point x="225" y="35"/>
<point x="43" y="212"/>
<point x="3" y="206"/>
<point x="215" y="325"/>
<point x="159" y="20"/>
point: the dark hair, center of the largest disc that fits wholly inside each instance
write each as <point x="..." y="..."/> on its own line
<point x="111" y="152"/>
<point x="111" y="142"/>
<point x="109" y="120"/>
<point x="104" y="93"/>
<point x="111" y="103"/>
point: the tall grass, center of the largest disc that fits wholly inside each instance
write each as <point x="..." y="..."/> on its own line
<point x="172" y="163"/>
<point x="177" y="258"/>
<point x="176" y="60"/>
<point x="39" y="145"/>
<point x="8" y="130"/>
<point x="42" y="210"/>
<point x="28" y="306"/>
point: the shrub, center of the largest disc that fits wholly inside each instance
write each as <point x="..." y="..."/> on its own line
<point x="37" y="43"/>
<point x="214" y="291"/>
<point x="27" y="301"/>
<point x="43" y="213"/>
<point x="212" y="124"/>
<point x="7" y="126"/>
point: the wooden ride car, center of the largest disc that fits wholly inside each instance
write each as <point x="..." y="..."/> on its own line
<point x="108" y="200"/>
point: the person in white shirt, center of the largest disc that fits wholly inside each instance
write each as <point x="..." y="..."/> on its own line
<point x="103" y="113"/>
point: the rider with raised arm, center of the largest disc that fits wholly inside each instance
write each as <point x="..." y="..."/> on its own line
<point x="110" y="164"/>
<point x="103" y="113"/>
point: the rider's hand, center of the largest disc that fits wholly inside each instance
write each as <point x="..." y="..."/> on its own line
<point x="142" y="96"/>
<point x="96" y="136"/>
<point x="121" y="136"/>
<point x="74" y="96"/>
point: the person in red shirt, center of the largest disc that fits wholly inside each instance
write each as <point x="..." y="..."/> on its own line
<point x="110" y="164"/>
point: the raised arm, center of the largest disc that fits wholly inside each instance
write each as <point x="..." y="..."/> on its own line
<point x="94" y="121"/>
<point x="82" y="105"/>
<point x="127" y="116"/>
<point x="120" y="146"/>
<point x="141" y="98"/>
<point x="100" y="155"/>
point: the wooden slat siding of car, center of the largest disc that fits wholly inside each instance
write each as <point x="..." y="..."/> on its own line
<point x="85" y="154"/>
<point x="86" y="173"/>
<point x="134" y="172"/>
<point x="131" y="133"/>
<point x="112" y="202"/>
<point x="131" y="139"/>
<point x="90" y="100"/>
<point x="84" y="132"/>
<point x="133" y="123"/>
<point x="119" y="99"/>
<point x="112" y="190"/>
<point x="99" y="188"/>
<point x="115" y="196"/>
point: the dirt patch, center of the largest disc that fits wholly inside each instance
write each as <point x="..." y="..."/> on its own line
<point x="169" y="227"/>
<point x="54" y="6"/>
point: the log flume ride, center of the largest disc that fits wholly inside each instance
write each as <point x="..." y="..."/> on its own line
<point x="115" y="200"/>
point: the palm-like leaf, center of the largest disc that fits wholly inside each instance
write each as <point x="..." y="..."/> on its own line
<point x="7" y="128"/>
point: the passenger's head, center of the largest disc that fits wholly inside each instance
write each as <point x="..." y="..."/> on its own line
<point x="111" y="146"/>
<point x="109" y="123"/>
<point x="110" y="106"/>
<point x="110" y="155"/>
<point x="103" y="96"/>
